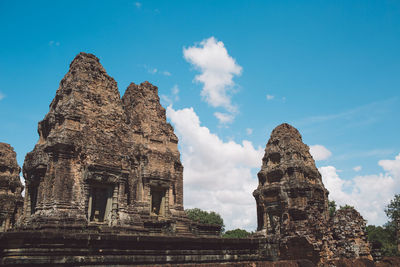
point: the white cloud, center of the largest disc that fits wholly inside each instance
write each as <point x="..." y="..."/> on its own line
<point x="167" y="100"/>
<point x="249" y="131"/>
<point x="320" y="152"/>
<point x="224" y="118"/>
<point x="270" y="97"/>
<point x="391" y="166"/>
<point x="175" y="89"/>
<point x="369" y="194"/>
<point x="51" y="43"/>
<point x="2" y="96"/>
<point x="357" y="168"/>
<point x="218" y="175"/>
<point x="138" y="4"/>
<point x="152" y="70"/>
<point x="173" y="97"/>
<point x="217" y="69"/>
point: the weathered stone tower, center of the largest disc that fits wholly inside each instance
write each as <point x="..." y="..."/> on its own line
<point x="104" y="162"/>
<point x="292" y="205"/>
<point x="292" y="202"/>
<point x="11" y="200"/>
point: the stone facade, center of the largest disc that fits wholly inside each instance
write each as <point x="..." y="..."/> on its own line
<point x="11" y="200"/>
<point x="104" y="162"/>
<point x="292" y="205"/>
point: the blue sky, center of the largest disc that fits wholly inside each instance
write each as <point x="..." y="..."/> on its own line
<point x="329" y="68"/>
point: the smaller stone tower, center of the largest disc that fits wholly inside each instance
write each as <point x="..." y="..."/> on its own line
<point x="292" y="202"/>
<point x="292" y="205"/>
<point x="11" y="200"/>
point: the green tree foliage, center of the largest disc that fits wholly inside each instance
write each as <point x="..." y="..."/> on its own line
<point x="387" y="235"/>
<point x="237" y="233"/>
<point x="203" y="216"/>
<point x="332" y="208"/>
<point x="345" y="207"/>
<point x="393" y="209"/>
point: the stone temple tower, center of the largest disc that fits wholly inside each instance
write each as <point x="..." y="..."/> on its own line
<point x="102" y="162"/>
<point x="292" y="202"/>
<point x="292" y="205"/>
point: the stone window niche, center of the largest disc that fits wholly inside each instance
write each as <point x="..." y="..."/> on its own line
<point x="157" y="196"/>
<point x="100" y="203"/>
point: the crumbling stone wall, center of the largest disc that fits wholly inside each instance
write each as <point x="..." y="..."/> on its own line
<point x="11" y="200"/>
<point x="349" y="235"/>
<point x="102" y="161"/>
<point x="292" y="205"/>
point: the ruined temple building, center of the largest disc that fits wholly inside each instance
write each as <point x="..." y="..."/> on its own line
<point x="292" y="205"/>
<point x="11" y="201"/>
<point x="104" y="186"/>
<point x="103" y="162"/>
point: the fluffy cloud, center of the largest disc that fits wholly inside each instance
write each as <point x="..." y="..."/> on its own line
<point x="217" y="69"/>
<point x="270" y="97"/>
<point x="224" y="118"/>
<point x="218" y="175"/>
<point x="357" y="168"/>
<point x="319" y="152"/>
<point x="369" y="194"/>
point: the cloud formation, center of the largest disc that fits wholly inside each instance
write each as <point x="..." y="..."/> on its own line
<point x="152" y="70"/>
<point x="369" y="194"/>
<point x="217" y="69"/>
<point x="172" y="97"/>
<point x="319" y="152"/>
<point x="218" y="175"/>
<point x="224" y="118"/>
<point x="270" y="97"/>
<point x="357" y="168"/>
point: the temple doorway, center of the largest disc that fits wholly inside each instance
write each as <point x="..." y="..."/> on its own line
<point x="100" y="203"/>
<point x="157" y="201"/>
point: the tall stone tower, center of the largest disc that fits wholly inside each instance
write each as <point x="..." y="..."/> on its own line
<point x="11" y="201"/>
<point x="292" y="202"/>
<point x="103" y="162"/>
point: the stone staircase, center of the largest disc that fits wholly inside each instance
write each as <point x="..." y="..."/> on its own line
<point x="182" y="228"/>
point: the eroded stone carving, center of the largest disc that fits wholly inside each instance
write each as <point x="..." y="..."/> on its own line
<point x="11" y="200"/>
